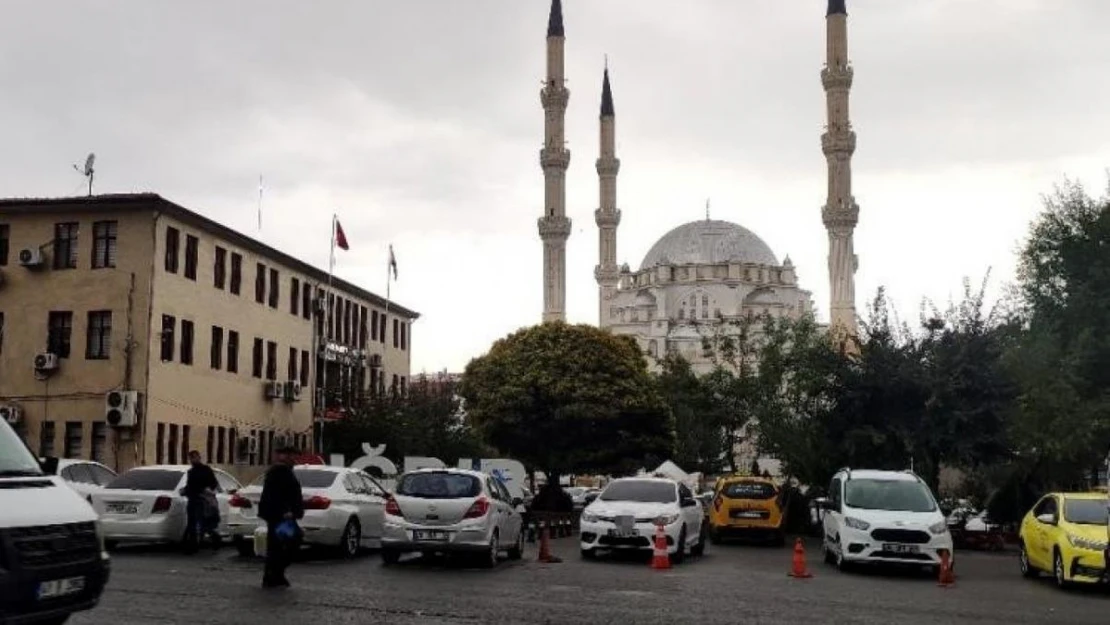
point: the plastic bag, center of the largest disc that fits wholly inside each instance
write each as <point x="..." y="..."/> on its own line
<point x="287" y="530"/>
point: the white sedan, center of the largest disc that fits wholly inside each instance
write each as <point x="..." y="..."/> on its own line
<point x="145" y="504"/>
<point x="626" y="514"/>
<point x="85" y="476"/>
<point x="343" y="508"/>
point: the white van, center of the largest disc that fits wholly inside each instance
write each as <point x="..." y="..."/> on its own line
<point x="52" y="557"/>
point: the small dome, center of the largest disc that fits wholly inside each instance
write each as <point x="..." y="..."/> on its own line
<point x="707" y="242"/>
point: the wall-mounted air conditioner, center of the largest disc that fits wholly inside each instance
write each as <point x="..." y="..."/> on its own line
<point x="292" y="391"/>
<point x="11" y="413"/>
<point x="272" y="390"/>
<point x="31" y="257"/>
<point x="46" y="361"/>
<point x="121" y="409"/>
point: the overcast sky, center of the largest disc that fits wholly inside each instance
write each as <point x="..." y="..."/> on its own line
<point x="419" y="122"/>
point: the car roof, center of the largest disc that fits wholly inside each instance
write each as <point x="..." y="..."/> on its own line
<point x="873" y="474"/>
<point x="475" y="474"/>
<point x="748" y="478"/>
<point x="1094" y="496"/>
<point x="661" y="480"/>
<point x="162" y="467"/>
<point x="65" y="462"/>
<point x="326" y="467"/>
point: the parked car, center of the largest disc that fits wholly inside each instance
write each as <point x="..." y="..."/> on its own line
<point x="85" y="476"/>
<point x="1066" y="533"/>
<point x="625" y="515"/>
<point x="452" y="511"/>
<point x="344" y="509"/>
<point x="144" y="504"/>
<point x="883" y="516"/>
<point x="745" y="506"/>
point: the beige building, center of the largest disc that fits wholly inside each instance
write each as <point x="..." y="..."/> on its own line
<point x="133" y="330"/>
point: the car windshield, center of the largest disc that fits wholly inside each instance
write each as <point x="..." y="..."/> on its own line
<point x="15" y="459"/>
<point x="894" y="495"/>
<point x="642" y="491"/>
<point x="439" y="485"/>
<point x="1086" y="511"/>
<point x="315" y="478"/>
<point x="147" y="479"/>
<point x="749" y="490"/>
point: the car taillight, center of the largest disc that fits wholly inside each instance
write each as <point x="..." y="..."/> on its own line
<point x="478" y="510"/>
<point x="317" y="502"/>
<point x="239" y="501"/>
<point x="392" y="508"/>
<point x="162" y="504"/>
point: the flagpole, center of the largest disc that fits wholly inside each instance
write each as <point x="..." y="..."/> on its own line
<point x="325" y="339"/>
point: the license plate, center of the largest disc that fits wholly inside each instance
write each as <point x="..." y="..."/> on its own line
<point x="429" y="535"/>
<point x="896" y="548"/>
<point x="121" y="508"/>
<point x="624" y="533"/>
<point x="747" y="515"/>
<point x="61" y="587"/>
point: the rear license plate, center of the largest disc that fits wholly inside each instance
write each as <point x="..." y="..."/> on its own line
<point x="432" y="535"/>
<point x="897" y="548"/>
<point x="121" y="508"/>
<point x="747" y="514"/>
<point x="61" y="587"/>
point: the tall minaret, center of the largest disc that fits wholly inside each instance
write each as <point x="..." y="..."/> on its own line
<point x="607" y="272"/>
<point x="554" y="226"/>
<point x="840" y="212"/>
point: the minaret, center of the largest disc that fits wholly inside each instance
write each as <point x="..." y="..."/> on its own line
<point x="607" y="272"/>
<point x="840" y="212"/>
<point x="554" y="226"/>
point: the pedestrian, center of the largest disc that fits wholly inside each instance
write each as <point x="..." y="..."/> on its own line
<point x="202" y="514"/>
<point x="281" y="507"/>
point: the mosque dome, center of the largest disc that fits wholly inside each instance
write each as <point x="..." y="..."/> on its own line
<point x="707" y="242"/>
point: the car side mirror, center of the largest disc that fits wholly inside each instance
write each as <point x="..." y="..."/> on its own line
<point x="1047" y="519"/>
<point x="49" y="465"/>
<point x="517" y="501"/>
<point x="689" y="503"/>
<point x="233" y="491"/>
<point x="823" y="503"/>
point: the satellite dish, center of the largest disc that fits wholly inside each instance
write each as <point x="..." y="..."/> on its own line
<point x="89" y="164"/>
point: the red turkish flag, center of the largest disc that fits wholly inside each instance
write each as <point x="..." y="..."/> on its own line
<point x="340" y="238"/>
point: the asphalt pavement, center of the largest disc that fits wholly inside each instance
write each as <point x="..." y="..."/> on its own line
<point x="730" y="584"/>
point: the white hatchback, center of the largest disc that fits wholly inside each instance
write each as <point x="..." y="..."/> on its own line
<point x="883" y="516"/>
<point x="625" y="516"/>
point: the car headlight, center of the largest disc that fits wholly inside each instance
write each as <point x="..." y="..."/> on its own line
<point x="939" y="528"/>
<point x="1087" y="543"/>
<point x="589" y="517"/>
<point x="856" y="524"/>
<point x="666" y="519"/>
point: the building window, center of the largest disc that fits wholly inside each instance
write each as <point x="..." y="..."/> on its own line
<point x="402" y="388"/>
<point x="232" y="437"/>
<point x="404" y="336"/>
<point x="99" y="442"/>
<point x="256" y="359"/>
<point x="210" y="444"/>
<point x="306" y="301"/>
<point x="219" y="268"/>
<point x="271" y="360"/>
<point x="59" y="332"/>
<point x="275" y="288"/>
<point x="173" y="245"/>
<point x="396" y="342"/>
<point x="260" y="283"/>
<point x="5" y="243"/>
<point x="186" y="342"/>
<point x="349" y="322"/>
<point x="217" y="352"/>
<point x="98" y="345"/>
<point x="294" y="296"/>
<point x="236" y="273"/>
<point x="304" y="368"/>
<point x="331" y="316"/>
<point x="221" y="441"/>
<point x="46" y="439"/>
<point x="169" y="323"/>
<point x="171" y="447"/>
<point x="381" y="328"/>
<point x="160" y="445"/>
<point x="65" y="245"/>
<point x="104" y="244"/>
<point x="363" y="330"/>
<point x="232" y="351"/>
<point x="292" y="364"/>
<point x="374" y="326"/>
<point x="185" y="439"/>
<point x="393" y="387"/>
<point x="72" y="444"/>
<point x="1" y="333"/>
<point x="191" y="253"/>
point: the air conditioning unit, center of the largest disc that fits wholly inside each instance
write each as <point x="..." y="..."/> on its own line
<point x="12" y="414"/>
<point x="272" y="390"/>
<point x="292" y="391"/>
<point x="375" y="360"/>
<point x="121" y="409"/>
<point x="46" y="361"/>
<point x="31" y="257"/>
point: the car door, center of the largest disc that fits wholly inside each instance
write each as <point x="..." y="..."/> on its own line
<point x="690" y="510"/>
<point x="226" y="486"/>
<point x="513" y="520"/>
<point x="375" y="509"/>
<point x="833" y="515"/>
<point x="501" y="510"/>
<point x="1040" y="552"/>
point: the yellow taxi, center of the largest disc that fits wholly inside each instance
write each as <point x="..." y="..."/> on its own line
<point x="1066" y="533"/>
<point x="747" y="506"/>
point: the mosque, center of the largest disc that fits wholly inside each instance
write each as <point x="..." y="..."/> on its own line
<point x="702" y="274"/>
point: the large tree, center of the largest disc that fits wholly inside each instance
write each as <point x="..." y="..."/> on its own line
<point x="701" y="443"/>
<point x="569" y="399"/>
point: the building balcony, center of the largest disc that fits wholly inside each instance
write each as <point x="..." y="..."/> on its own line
<point x="558" y="158"/>
<point x="607" y="218"/>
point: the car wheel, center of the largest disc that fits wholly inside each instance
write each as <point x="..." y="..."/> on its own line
<point x="1058" y="570"/>
<point x="517" y="550"/>
<point x="1027" y="569"/>
<point x="841" y="563"/>
<point x="489" y="561"/>
<point x="680" y="553"/>
<point x="244" y="547"/>
<point x="390" y="556"/>
<point x="351" y="540"/>
<point x="699" y="549"/>
<point x="830" y="557"/>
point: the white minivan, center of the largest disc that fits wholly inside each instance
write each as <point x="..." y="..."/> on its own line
<point x="883" y="516"/>
<point x="51" y="548"/>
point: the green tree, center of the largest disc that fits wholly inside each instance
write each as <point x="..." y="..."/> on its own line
<point x="700" y="439"/>
<point x="569" y="399"/>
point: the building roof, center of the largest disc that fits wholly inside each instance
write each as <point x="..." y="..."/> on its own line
<point x="836" y="7"/>
<point x="707" y="242"/>
<point x="153" y="201"/>
<point x="606" y="96"/>
<point x="555" y="19"/>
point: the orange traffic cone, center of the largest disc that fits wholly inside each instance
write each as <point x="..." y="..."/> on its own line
<point x="799" y="568"/>
<point x="660" y="559"/>
<point x="545" y="546"/>
<point x="947" y="577"/>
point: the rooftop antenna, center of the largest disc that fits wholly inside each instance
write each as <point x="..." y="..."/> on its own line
<point x="88" y="172"/>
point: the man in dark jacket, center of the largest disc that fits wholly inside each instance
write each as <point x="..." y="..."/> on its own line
<point x="281" y="501"/>
<point x="200" y="488"/>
